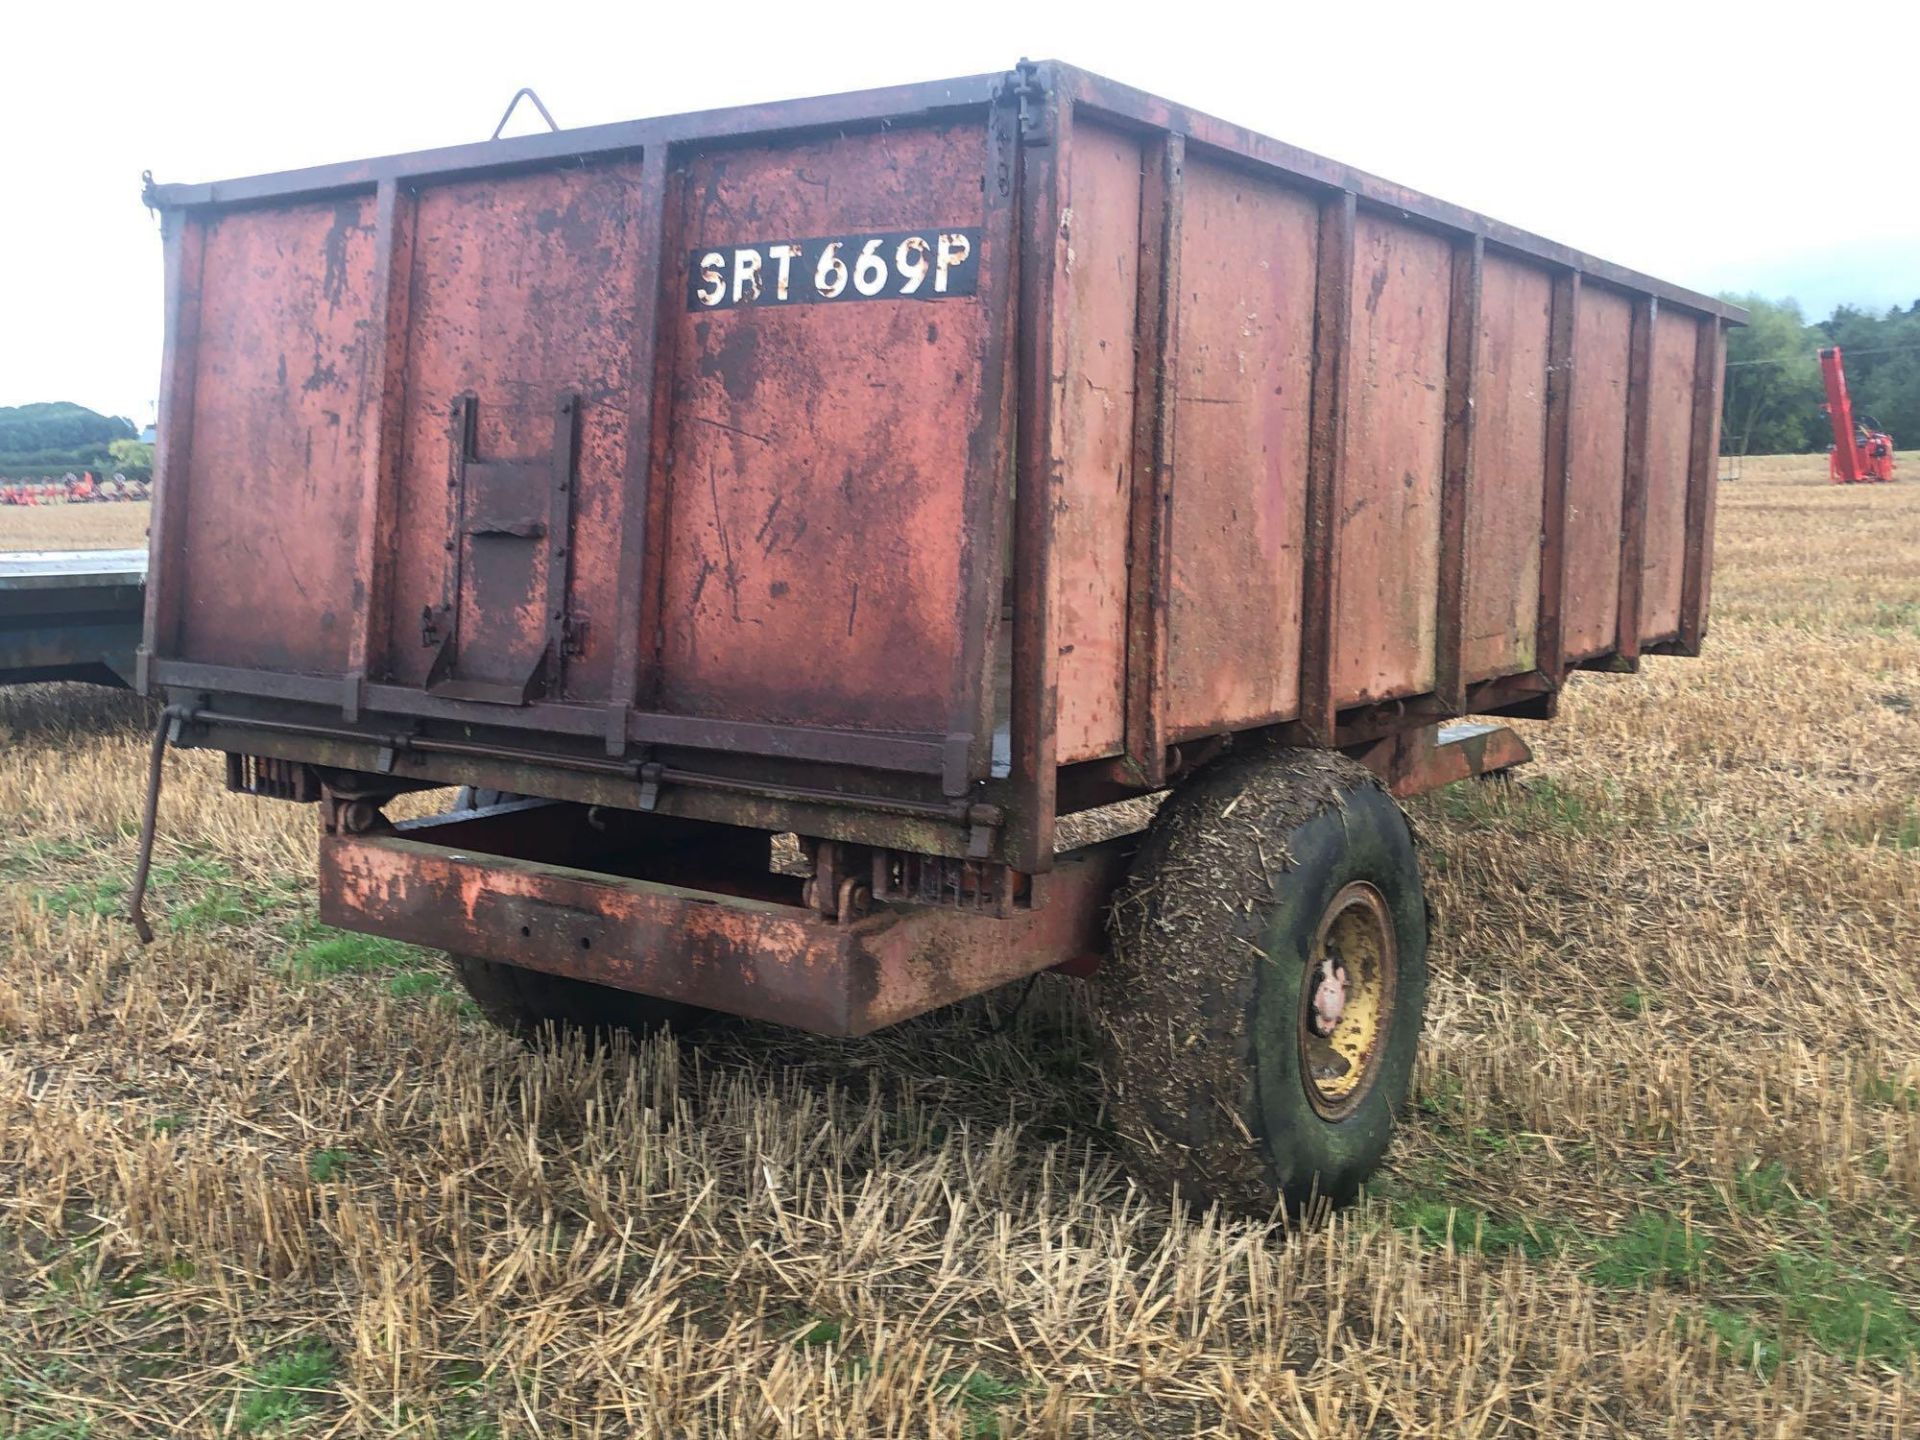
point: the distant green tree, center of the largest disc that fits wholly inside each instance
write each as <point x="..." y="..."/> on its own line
<point x="130" y="454"/>
<point x="1773" y="379"/>
<point x="57" y="436"/>
<point x="59" y="425"/>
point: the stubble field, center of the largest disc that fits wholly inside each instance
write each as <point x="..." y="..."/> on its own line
<point x="1661" y="1175"/>
<point x="115" y="525"/>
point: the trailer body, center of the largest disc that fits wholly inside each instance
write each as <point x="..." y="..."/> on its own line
<point x="70" y="615"/>
<point x="905" y="470"/>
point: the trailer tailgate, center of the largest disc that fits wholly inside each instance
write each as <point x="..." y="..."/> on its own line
<point x="697" y="438"/>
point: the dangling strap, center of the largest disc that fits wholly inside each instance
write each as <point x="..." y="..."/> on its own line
<point x="163" y="730"/>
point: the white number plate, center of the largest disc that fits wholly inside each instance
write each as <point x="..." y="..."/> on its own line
<point x="899" y="265"/>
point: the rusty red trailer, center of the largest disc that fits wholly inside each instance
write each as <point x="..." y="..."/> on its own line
<point x="903" y="470"/>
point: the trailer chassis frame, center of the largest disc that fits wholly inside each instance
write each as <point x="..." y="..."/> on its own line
<point x="691" y="911"/>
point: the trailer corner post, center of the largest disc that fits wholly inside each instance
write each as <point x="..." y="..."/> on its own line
<point x="1550" y="642"/>
<point x="1703" y="480"/>
<point x="1463" y="363"/>
<point x="1046" y="125"/>
<point x="1156" y="407"/>
<point x="1633" y="501"/>
<point x="1326" y="462"/>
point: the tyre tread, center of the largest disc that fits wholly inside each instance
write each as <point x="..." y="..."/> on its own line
<point x="1179" y="998"/>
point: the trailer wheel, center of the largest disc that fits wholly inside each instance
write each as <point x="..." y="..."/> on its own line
<point x="536" y="1006"/>
<point x="1263" y="1002"/>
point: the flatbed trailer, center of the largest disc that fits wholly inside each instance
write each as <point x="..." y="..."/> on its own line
<point x="71" y="615"/>
<point x="915" y="473"/>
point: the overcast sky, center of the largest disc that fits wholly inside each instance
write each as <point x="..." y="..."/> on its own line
<point x="1708" y="147"/>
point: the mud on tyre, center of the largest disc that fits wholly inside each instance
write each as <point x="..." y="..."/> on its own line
<point x="1262" y="1006"/>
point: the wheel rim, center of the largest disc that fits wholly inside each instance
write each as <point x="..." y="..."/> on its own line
<point x="1346" y="1002"/>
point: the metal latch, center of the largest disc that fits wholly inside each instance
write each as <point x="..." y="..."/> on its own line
<point x="982" y="823"/>
<point x="650" y="785"/>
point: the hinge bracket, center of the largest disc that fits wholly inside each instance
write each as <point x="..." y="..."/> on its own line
<point x="1036" y="115"/>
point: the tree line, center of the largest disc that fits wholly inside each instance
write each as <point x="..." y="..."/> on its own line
<point x="54" y="437"/>
<point x="1774" y="392"/>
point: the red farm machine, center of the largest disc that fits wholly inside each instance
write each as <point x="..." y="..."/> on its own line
<point x="82" y="489"/>
<point x="1862" y="453"/>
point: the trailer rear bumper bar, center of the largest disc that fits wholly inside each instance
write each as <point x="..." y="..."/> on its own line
<point x="743" y="955"/>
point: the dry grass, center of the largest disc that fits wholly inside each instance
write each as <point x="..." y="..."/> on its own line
<point x="1662" y="1176"/>
<point x="120" y="525"/>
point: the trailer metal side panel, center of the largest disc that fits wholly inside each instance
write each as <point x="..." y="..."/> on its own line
<point x="1597" y="471"/>
<point x="1093" y="502"/>
<point x="427" y="465"/>
<point x="268" y="531"/>
<point x="816" y="524"/>
<point x="518" y="298"/>
<point x="1669" y="454"/>
<point x="1242" y="402"/>
<point x="1505" y="499"/>
<point x="1388" y="520"/>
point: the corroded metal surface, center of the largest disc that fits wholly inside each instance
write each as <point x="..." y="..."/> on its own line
<point x="1094" y="496"/>
<point x="813" y="543"/>
<point x="1388" y="522"/>
<point x="1412" y="762"/>
<point x="1503" y="520"/>
<point x="1709" y="381"/>
<point x="265" y="576"/>
<point x="517" y="302"/>
<point x="1596" y="480"/>
<point x="746" y="956"/>
<point x="688" y="447"/>
<point x="1242" y="390"/>
<point x="1669" y="455"/>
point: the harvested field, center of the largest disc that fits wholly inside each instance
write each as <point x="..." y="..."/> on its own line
<point x="116" y="525"/>
<point x="1661" y="1176"/>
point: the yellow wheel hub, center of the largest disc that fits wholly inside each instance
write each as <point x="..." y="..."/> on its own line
<point x="1346" y="1002"/>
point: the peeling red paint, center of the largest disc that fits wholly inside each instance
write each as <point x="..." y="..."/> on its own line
<point x="765" y="960"/>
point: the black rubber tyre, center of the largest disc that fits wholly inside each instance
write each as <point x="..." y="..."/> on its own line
<point x="536" y="1006"/>
<point x="1255" y="876"/>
